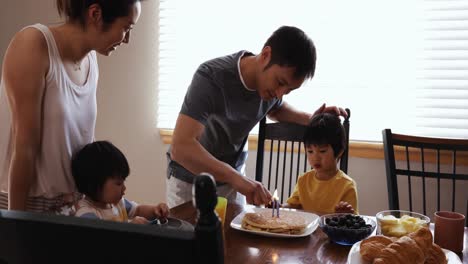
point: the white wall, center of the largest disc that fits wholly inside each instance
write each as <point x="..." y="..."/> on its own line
<point x="127" y="103"/>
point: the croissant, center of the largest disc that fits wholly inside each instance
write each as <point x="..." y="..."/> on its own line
<point x="435" y="255"/>
<point x="371" y="247"/>
<point x="404" y="250"/>
<point x="422" y="237"/>
<point x="416" y="247"/>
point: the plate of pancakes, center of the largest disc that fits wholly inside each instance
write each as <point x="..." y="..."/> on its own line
<point x="290" y="223"/>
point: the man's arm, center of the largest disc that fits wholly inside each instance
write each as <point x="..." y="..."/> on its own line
<point x="25" y="66"/>
<point x="287" y="113"/>
<point x="187" y="151"/>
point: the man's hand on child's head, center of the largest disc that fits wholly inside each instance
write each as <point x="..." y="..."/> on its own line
<point x="139" y="220"/>
<point x="161" y="210"/>
<point x="331" y="109"/>
<point x="344" y="207"/>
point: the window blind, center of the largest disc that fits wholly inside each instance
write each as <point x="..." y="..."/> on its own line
<point x="442" y="91"/>
<point x="396" y="64"/>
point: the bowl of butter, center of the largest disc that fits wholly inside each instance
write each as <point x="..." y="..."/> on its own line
<point x="398" y="223"/>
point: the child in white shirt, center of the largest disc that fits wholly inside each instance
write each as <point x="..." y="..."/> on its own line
<point x="100" y="170"/>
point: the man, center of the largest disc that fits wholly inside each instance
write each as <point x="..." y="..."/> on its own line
<point x="228" y="96"/>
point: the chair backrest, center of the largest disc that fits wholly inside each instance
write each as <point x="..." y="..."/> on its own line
<point x="285" y="139"/>
<point x="27" y="237"/>
<point x="426" y="164"/>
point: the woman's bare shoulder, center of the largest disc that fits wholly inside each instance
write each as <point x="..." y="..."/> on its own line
<point x="27" y="41"/>
<point x="27" y="46"/>
<point x="29" y="36"/>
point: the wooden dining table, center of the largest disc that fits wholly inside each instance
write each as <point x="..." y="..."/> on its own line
<point x="243" y="247"/>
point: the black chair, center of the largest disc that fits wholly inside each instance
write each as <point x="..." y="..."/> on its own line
<point x="425" y="163"/>
<point x="286" y="139"/>
<point x="40" y="238"/>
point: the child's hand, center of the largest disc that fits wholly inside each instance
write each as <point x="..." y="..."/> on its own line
<point x="161" y="210"/>
<point x="344" y="207"/>
<point x="139" y="220"/>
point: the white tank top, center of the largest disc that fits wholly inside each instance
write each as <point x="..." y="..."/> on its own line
<point x="69" y="118"/>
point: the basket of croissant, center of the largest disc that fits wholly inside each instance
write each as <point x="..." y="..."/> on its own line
<point x="416" y="247"/>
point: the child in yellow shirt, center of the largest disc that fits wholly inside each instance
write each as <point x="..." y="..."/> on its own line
<point x="325" y="189"/>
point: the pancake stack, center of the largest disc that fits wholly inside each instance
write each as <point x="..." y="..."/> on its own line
<point x="286" y="223"/>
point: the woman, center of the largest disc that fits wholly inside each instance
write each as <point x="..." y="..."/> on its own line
<point x="48" y="100"/>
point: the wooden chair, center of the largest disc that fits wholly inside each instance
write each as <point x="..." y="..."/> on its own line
<point x="430" y="161"/>
<point x="286" y="154"/>
<point x="27" y="237"/>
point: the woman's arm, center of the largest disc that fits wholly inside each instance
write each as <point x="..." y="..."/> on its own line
<point x="25" y="66"/>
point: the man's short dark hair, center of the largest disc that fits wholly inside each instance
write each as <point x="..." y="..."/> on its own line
<point x="94" y="164"/>
<point x="326" y="128"/>
<point x="291" y="47"/>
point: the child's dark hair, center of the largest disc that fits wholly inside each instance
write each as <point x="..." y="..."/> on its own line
<point x="326" y="128"/>
<point x="291" y="47"/>
<point x="75" y="10"/>
<point x="94" y="164"/>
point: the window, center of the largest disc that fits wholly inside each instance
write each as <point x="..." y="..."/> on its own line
<point x="396" y="64"/>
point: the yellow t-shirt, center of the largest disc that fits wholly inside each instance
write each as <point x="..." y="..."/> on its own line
<point x="320" y="196"/>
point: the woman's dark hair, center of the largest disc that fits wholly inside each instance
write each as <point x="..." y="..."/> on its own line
<point x="75" y="10"/>
<point x="326" y="128"/>
<point x="94" y="164"/>
<point x="291" y="47"/>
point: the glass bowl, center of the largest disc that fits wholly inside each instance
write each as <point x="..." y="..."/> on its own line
<point x="346" y="229"/>
<point x="397" y="223"/>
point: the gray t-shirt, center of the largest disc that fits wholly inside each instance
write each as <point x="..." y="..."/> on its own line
<point x="218" y="99"/>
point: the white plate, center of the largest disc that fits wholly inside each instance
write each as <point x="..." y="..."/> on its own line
<point x="311" y="219"/>
<point x="354" y="257"/>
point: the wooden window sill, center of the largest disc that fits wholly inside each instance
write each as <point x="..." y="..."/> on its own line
<point x="358" y="149"/>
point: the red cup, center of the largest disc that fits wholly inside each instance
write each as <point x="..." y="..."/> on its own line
<point x="449" y="230"/>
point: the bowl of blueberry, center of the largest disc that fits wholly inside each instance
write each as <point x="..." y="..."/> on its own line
<point x="346" y="229"/>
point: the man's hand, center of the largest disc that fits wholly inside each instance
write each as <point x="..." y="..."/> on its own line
<point x="332" y="110"/>
<point x="344" y="207"/>
<point x="253" y="190"/>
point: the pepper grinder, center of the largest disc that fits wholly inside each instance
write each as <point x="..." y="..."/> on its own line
<point x="208" y="229"/>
